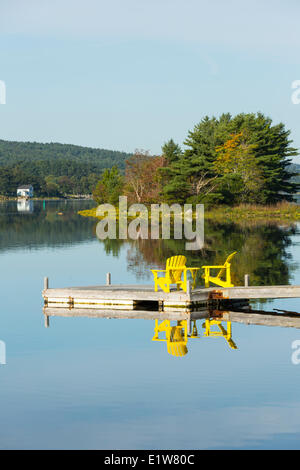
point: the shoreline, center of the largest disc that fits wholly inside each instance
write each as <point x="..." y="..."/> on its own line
<point x="46" y="198"/>
<point x="244" y="213"/>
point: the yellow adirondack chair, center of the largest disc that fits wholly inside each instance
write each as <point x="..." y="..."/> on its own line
<point x="175" y="266"/>
<point x="224" y="269"/>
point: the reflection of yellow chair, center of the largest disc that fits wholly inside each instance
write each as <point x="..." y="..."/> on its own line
<point x="194" y="333"/>
<point x="176" y="336"/>
<point x="225" y="268"/>
<point x="222" y="333"/>
<point x="175" y="266"/>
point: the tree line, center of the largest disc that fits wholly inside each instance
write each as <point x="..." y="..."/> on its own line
<point x="54" y="169"/>
<point x="227" y="160"/>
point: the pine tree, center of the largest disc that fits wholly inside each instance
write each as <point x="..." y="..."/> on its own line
<point x="171" y="151"/>
<point x="109" y="187"/>
<point x="270" y="154"/>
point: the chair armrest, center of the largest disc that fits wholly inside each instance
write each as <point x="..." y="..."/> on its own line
<point x="184" y="268"/>
<point x="158" y="270"/>
<point x="176" y="269"/>
<point x="217" y="267"/>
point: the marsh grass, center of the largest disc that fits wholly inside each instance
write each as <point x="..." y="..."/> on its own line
<point x="241" y="214"/>
<point x="283" y="211"/>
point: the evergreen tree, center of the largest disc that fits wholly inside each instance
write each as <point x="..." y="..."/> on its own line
<point x="272" y="152"/>
<point x="109" y="187"/>
<point x="194" y="174"/>
<point x="171" y="151"/>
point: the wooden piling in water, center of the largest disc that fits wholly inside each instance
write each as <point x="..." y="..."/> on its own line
<point x="47" y="324"/>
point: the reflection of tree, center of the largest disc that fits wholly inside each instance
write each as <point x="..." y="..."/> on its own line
<point x="262" y="252"/>
<point x="143" y="254"/>
<point x="44" y="227"/>
<point x="112" y="247"/>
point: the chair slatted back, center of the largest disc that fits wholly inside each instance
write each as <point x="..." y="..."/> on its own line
<point x="222" y="271"/>
<point x="175" y="262"/>
<point x="177" y="349"/>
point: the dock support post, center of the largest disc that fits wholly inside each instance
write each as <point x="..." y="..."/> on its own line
<point x="188" y="288"/>
<point x="189" y="325"/>
<point x="46" y="283"/>
<point x="47" y="323"/>
<point x="108" y="279"/>
<point x="188" y="294"/>
<point x="246" y="280"/>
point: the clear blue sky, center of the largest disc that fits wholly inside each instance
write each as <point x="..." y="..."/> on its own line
<point x="131" y="74"/>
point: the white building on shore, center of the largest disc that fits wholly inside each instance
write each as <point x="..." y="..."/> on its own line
<point x="25" y="190"/>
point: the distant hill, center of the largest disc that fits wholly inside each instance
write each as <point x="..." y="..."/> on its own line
<point x="295" y="168"/>
<point x="12" y="153"/>
<point x="54" y="168"/>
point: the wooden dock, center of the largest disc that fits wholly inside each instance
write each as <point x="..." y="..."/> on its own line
<point x="143" y="297"/>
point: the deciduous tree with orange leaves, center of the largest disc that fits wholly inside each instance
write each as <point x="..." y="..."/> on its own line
<point x="142" y="178"/>
<point x="237" y="163"/>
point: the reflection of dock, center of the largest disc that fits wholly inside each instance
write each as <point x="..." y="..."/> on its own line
<point x="129" y="297"/>
<point x="184" y="326"/>
<point x="111" y="313"/>
<point x="247" y="317"/>
<point x="263" y="319"/>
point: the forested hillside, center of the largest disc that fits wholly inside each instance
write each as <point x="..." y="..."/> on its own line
<point x="295" y="168"/>
<point x="54" y="169"/>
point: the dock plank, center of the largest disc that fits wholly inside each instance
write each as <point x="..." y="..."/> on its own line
<point x="121" y="292"/>
<point x="251" y="292"/>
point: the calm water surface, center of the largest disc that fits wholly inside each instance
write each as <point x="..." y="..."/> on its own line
<point x="97" y="383"/>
